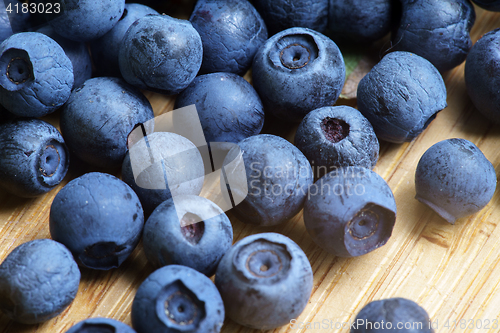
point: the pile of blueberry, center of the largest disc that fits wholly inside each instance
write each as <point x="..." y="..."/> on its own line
<point x="89" y="63"/>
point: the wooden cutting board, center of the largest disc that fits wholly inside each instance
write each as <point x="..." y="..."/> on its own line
<point x="453" y="271"/>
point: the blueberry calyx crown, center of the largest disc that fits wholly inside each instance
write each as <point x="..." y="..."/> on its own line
<point x="364" y="224"/>
<point x="102" y="255"/>
<point x="49" y="161"/>
<point x="19" y="70"/>
<point x="192" y="228"/>
<point x="178" y="306"/>
<point x="335" y="130"/>
<point x="295" y="56"/>
<point x="295" y="51"/>
<point x="369" y="229"/>
<point x="263" y="260"/>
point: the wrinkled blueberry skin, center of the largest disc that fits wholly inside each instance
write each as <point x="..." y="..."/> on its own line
<point x="37" y="76"/>
<point x="455" y="179"/>
<point x="491" y="5"/>
<point x="157" y="302"/>
<point x="401" y="95"/>
<point x="296" y="71"/>
<point x="360" y="21"/>
<point x="77" y="52"/>
<point x="33" y="157"/>
<point x="100" y="325"/>
<point x="99" y="218"/>
<point x="178" y="168"/>
<point x="229" y="108"/>
<point x="265" y="281"/>
<point x="78" y="21"/>
<point x="160" y="53"/>
<point x="336" y="136"/>
<point x="98" y="117"/>
<point x="105" y="50"/>
<point x="231" y="33"/>
<point x="38" y="280"/>
<point x="350" y="211"/>
<point x="199" y="244"/>
<point x="437" y="30"/>
<point x="278" y="176"/>
<point x="282" y="14"/>
<point x="391" y="312"/>
<point x="482" y="70"/>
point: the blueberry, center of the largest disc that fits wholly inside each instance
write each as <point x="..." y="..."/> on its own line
<point x="100" y="325"/>
<point x="336" y="136"/>
<point x="401" y="95"/>
<point x="163" y="165"/>
<point x="392" y="315"/>
<point x="491" y="5"/>
<point x="481" y="75"/>
<point x="296" y="71"/>
<point x="437" y="30"/>
<point x="84" y="20"/>
<point x="33" y="157"/>
<point x="187" y="230"/>
<point x="283" y="14"/>
<point x="360" y="21"/>
<point x="98" y="117"/>
<point x="177" y="299"/>
<point x="231" y="32"/>
<point x="350" y="211"/>
<point x="160" y="53"/>
<point x="77" y="52"/>
<point x="105" y="50"/>
<point x="277" y="178"/>
<point x="38" y="280"/>
<point x="229" y="108"/>
<point x="37" y="76"/>
<point x="265" y="281"/>
<point x="99" y="218"/>
<point x="455" y="179"/>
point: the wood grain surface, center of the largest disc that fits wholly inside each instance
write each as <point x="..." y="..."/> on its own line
<point x="453" y="271"/>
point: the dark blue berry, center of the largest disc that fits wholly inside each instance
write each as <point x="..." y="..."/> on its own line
<point x="283" y="14"/>
<point x="177" y="299"/>
<point x="296" y="71"/>
<point x="401" y="95"/>
<point x="187" y="230"/>
<point x="265" y="281"/>
<point x="437" y="30"/>
<point x="33" y="157"/>
<point x="105" y="50"/>
<point x="350" y="211"/>
<point x="38" y="280"/>
<point x="231" y="32"/>
<point x="482" y="70"/>
<point x="229" y="108"/>
<point x="37" y="76"/>
<point x="100" y="325"/>
<point x="99" y="116"/>
<point x="163" y="165"/>
<point x="160" y="53"/>
<point x="277" y="178"/>
<point x="392" y="315"/>
<point x="77" y="52"/>
<point x="99" y="218"/>
<point x="455" y="179"/>
<point x="86" y="20"/>
<point x="332" y="137"/>
<point x="359" y="21"/>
